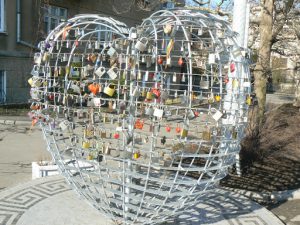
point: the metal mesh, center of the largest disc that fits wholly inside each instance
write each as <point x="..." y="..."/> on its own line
<point x="142" y="121"/>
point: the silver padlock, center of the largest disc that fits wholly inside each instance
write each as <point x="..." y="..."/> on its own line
<point x="100" y="71"/>
<point x="112" y="72"/>
<point x="111" y="52"/>
<point x="141" y="44"/>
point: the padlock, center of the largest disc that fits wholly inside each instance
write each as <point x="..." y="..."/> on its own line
<point x="64" y="125"/>
<point x="107" y="150"/>
<point x="37" y="58"/>
<point x="158" y="113"/>
<point x="103" y="134"/>
<point x="164" y="95"/>
<point x="141" y="44"/>
<point x="149" y="111"/>
<point x="178" y="129"/>
<point x="112" y="72"/>
<point x="133" y="33"/>
<point x="167" y="28"/>
<point x="218" y="98"/>
<point x="85" y="144"/>
<point x="156" y="92"/>
<point x="100" y="71"/>
<point x="94" y="88"/>
<point x="46" y="57"/>
<point x="34" y="82"/>
<point x="184" y="133"/>
<point x="109" y="89"/>
<point x="89" y="157"/>
<point x="136" y="92"/>
<point x="235" y="83"/>
<point x="149" y="95"/>
<point x="35" y="70"/>
<point x="139" y="124"/>
<point x="204" y="84"/>
<point x="111" y="52"/>
<point x="248" y="100"/>
<point x="35" y="106"/>
<point x="136" y="155"/>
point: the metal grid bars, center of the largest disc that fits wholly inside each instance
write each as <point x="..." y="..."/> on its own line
<point x="142" y="121"/>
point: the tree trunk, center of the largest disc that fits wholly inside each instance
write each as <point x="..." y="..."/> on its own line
<point x="297" y="93"/>
<point x="263" y="67"/>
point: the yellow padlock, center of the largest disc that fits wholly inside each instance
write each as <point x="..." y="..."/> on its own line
<point x="143" y="93"/>
<point x="136" y="155"/>
<point x="149" y="95"/>
<point x="248" y="100"/>
<point x="89" y="157"/>
<point x="235" y="83"/>
<point x="85" y="144"/>
<point x="30" y="81"/>
<point x="184" y="133"/>
<point x="217" y="98"/>
<point x="109" y="90"/>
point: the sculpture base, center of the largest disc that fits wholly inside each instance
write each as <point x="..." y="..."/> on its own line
<point x="49" y="201"/>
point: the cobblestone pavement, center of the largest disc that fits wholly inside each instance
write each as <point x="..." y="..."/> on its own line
<point x="49" y="201"/>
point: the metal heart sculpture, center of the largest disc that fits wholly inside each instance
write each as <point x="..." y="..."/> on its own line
<point x="142" y="121"/>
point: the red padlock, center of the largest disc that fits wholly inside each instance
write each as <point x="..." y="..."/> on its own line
<point x="116" y="135"/>
<point x="160" y="60"/>
<point x="178" y="129"/>
<point x="232" y="67"/>
<point x="180" y="61"/>
<point x="168" y="128"/>
<point x="226" y="79"/>
<point x="156" y="92"/>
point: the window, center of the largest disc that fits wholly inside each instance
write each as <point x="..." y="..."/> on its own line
<point x="53" y="16"/>
<point x="2" y="86"/>
<point x="2" y="16"/>
<point x="168" y="5"/>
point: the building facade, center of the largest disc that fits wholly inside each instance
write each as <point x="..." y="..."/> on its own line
<point x="23" y="23"/>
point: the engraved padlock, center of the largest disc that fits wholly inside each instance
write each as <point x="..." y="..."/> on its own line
<point x="141" y="44"/>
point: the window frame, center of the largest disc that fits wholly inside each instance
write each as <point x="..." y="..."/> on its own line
<point x="2" y="17"/>
<point x="3" y="86"/>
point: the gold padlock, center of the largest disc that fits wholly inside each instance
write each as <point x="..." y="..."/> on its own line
<point x="89" y="157"/>
<point x="149" y="95"/>
<point x="136" y="155"/>
<point x="85" y="144"/>
<point x="109" y="90"/>
<point x="248" y="100"/>
<point x="184" y="133"/>
<point x="143" y="93"/>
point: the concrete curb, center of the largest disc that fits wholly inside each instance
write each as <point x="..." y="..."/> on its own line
<point x="266" y="197"/>
<point x="14" y="122"/>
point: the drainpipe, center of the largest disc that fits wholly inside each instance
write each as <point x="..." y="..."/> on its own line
<point x="19" y="40"/>
<point x="240" y="22"/>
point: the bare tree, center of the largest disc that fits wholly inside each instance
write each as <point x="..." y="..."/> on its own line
<point x="275" y="29"/>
